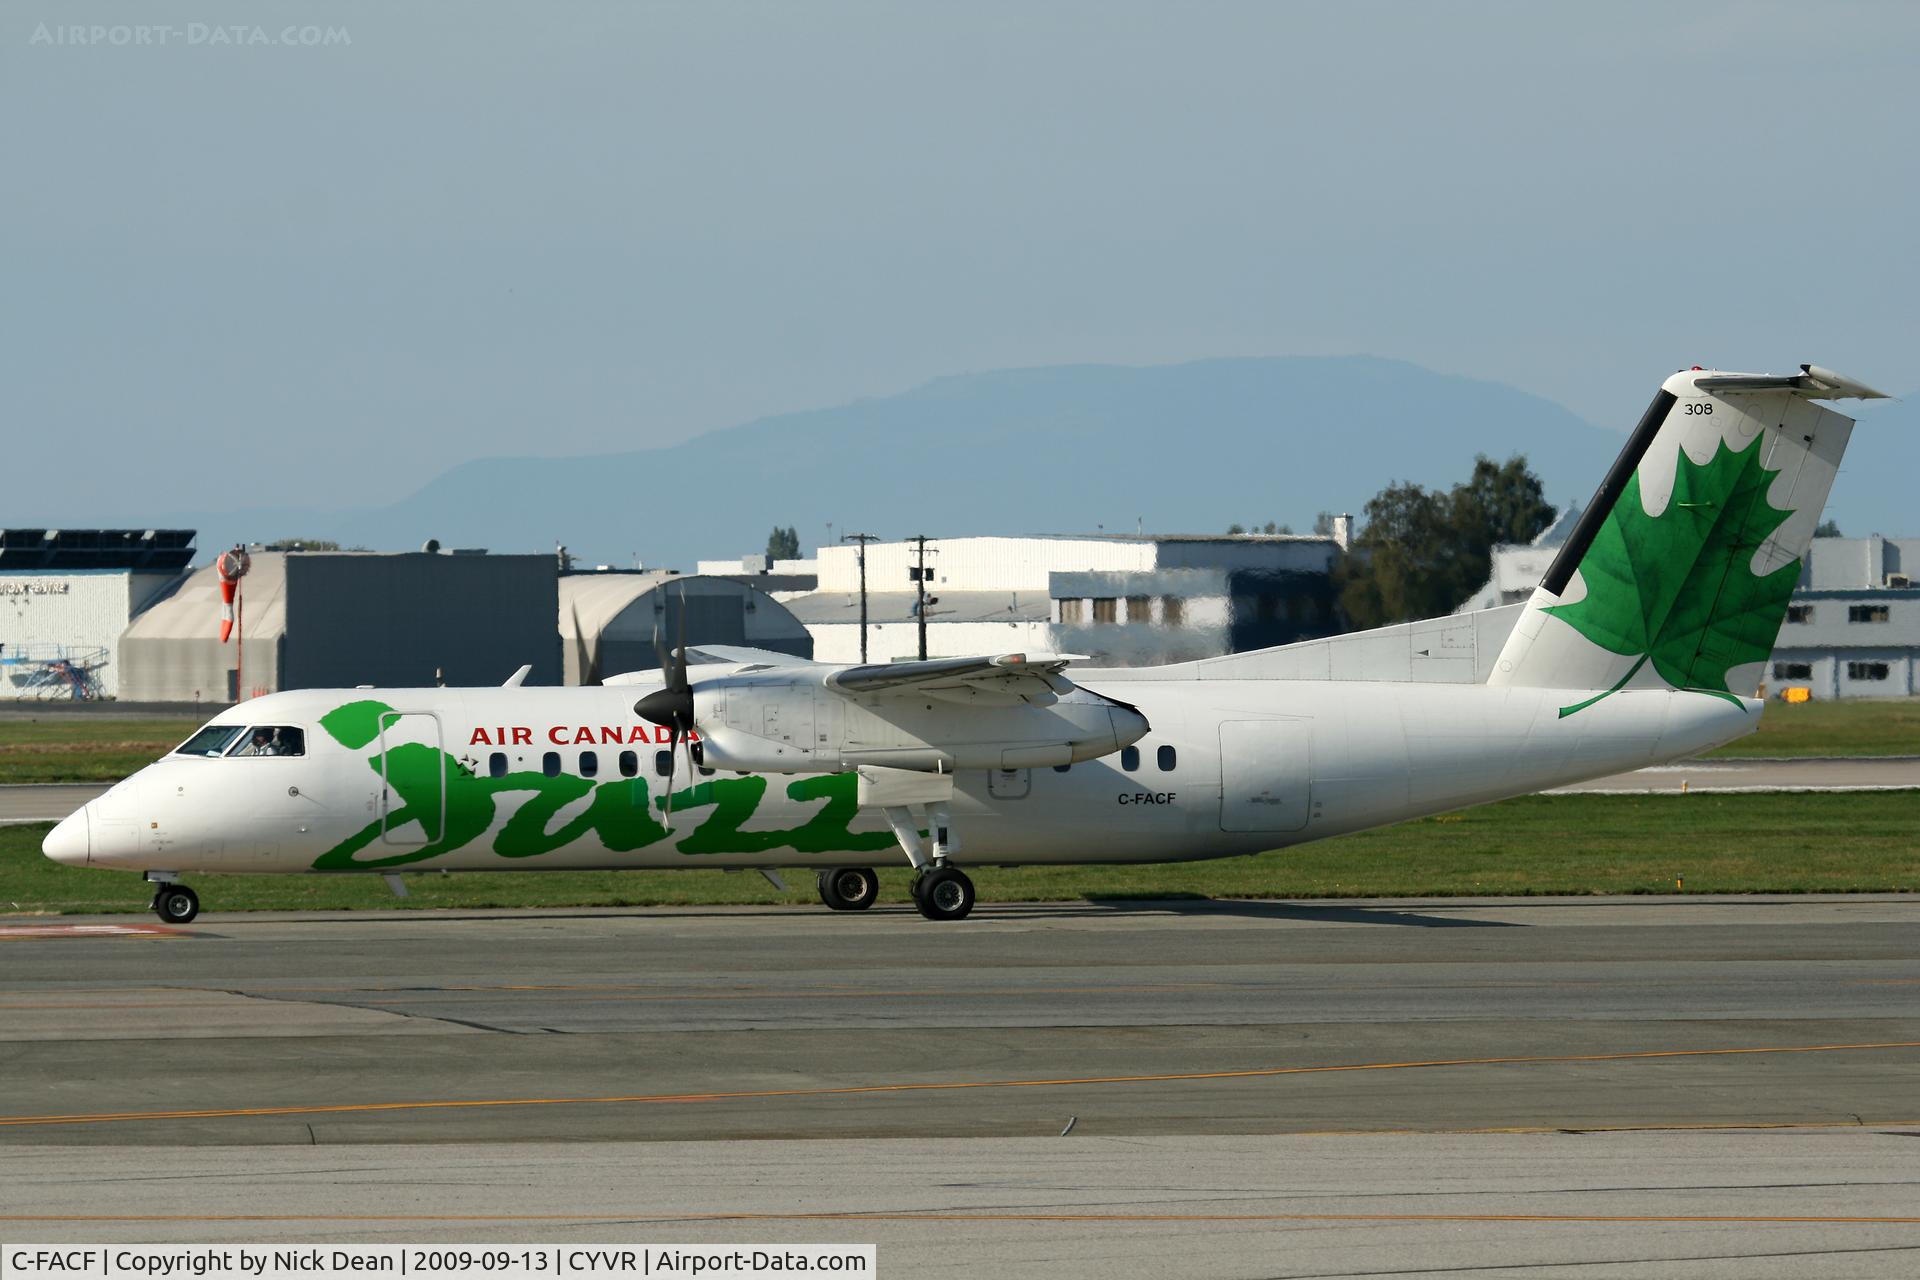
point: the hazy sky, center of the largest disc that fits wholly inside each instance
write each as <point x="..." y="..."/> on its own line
<point x="321" y="274"/>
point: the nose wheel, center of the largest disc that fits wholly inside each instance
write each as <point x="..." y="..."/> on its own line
<point x="943" y="893"/>
<point x="175" y="903"/>
<point x="849" y="888"/>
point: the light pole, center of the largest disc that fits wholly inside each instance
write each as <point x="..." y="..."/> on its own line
<point x="861" y="540"/>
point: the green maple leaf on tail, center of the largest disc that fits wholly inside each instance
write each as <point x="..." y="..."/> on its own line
<point x="1678" y="589"/>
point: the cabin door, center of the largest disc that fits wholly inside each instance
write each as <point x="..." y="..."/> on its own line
<point x="413" y="777"/>
<point x="1266" y="774"/>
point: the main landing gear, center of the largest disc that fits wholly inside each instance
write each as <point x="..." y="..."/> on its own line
<point x="175" y="903"/>
<point x="849" y="888"/>
<point x="943" y="892"/>
<point x="940" y="889"/>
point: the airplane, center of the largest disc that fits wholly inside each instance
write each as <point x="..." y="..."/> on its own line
<point x="1644" y="643"/>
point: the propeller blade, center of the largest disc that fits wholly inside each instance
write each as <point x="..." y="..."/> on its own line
<point x="680" y="640"/>
<point x="673" y="742"/>
<point x="660" y="654"/>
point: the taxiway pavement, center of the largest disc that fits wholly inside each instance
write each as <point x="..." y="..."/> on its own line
<point x="45" y="802"/>
<point x="1888" y="773"/>
<point x="1722" y="1087"/>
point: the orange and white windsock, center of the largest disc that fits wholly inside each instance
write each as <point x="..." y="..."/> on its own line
<point x="231" y="566"/>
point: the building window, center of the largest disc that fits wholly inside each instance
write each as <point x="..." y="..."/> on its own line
<point x="1799" y="613"/>
<point x="629" y="764"/>
<point x="550" y="764"/>
<point x="589" y="764"/>
<point x="1793" y="671"/>
<point x="1105" y="609"/>
<point x="1130" y="758"/>
<point x="1866" y="613"/>
<point x="1073" y="611"/>
<point x="1173" y="611"/>
<point x="1165" y="758"/>
<point x="497" y="765"/>
<point x="1139" y="608"/>
<point x="1867" y="671"/>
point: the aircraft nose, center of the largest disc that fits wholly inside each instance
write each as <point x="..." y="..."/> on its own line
<point x="71" y="841"/>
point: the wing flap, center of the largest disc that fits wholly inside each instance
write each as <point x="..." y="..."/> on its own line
<point x="1013" y="673"/>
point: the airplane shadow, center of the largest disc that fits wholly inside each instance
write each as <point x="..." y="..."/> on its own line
<point x="1313" y="913"/>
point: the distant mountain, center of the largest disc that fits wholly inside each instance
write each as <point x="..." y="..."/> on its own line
<point x="1066" y="449"/>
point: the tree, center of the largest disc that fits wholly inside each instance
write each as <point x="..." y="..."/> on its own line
<point x="783" y="544"/>
<point x="1235" y="529"/>
<point x="1829" y="528"/>
<point x="1424" y="551"/>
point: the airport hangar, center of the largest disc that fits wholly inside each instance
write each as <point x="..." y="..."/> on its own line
<point x="324" y="619"/>
<point x="67" y="595"/>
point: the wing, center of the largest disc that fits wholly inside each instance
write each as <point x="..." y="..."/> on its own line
<point x="1015" y="675"/>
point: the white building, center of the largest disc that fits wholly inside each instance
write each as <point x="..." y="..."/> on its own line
<point x="1127" y="599"/>
<point x="1853" y="628"/>
<point x="66" y="595"/>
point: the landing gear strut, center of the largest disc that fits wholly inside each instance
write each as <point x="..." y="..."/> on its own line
<point x="175" y="903"/>
<point x="849" y="888"/>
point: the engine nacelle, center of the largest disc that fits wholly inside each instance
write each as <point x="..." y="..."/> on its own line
<point x="787" y="725"/>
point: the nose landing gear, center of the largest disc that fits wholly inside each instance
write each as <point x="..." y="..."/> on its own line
<point x="175" y="903"/>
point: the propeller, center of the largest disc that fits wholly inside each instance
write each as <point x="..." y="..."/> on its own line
<point x="671" y="707"/>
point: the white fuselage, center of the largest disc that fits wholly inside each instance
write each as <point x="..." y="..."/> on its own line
<point x="1229" y="767"/>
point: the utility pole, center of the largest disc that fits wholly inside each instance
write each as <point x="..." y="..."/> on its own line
<point x="920" y="581"/>
<point x="862" y="539"/>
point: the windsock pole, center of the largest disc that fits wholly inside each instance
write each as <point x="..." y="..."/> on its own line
<point x="232" y="566"/>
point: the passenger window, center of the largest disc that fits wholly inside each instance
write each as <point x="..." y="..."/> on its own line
<point x="589" y="764"/>
<point x="272" y="740"/>
<point x="550" y="764"/>
<point x="662" y="762"/>
<point x="629" y="764"/>
<point x="1165" y="757"/>
<point x="1130" y="758"/>
<point x="497" y="765"/>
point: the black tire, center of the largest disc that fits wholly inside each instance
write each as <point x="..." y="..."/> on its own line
<point x="849" y="888"/>
<point x="944" y="893"/>
<point x="175" y="903"/>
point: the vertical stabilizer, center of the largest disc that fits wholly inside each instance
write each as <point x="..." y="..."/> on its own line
<point x="1678" y="572"/>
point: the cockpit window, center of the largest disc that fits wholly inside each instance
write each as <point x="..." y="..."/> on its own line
<point x="272" y="740"/>
<point x="211" y="741"/>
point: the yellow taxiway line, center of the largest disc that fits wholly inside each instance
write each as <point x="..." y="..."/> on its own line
<point x="218" y="1113"/>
